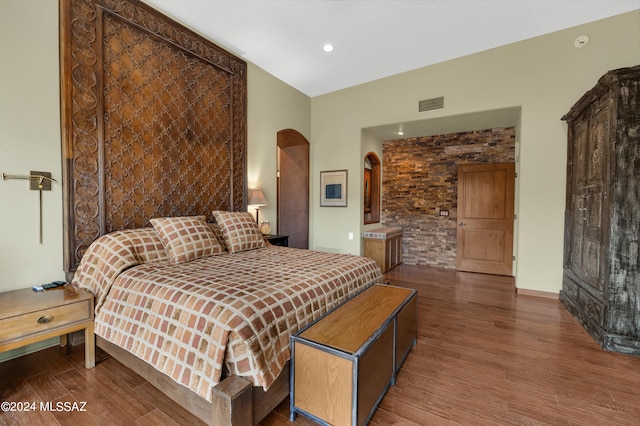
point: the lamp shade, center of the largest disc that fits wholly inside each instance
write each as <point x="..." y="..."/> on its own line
<point x="256" y="198"/>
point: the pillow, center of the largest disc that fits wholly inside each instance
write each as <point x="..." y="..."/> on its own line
<point x="218" y="233"/>
<point x="187" y="238"/>
<point x="111" y="254"/>
<point x="239" y="230"/>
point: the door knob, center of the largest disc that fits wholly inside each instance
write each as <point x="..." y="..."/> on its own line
<point x="462" y="224"/>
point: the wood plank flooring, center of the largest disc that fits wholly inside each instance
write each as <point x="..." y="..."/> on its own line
<point x="484" y="356"/>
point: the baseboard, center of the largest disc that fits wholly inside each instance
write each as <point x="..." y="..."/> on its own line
<point x="537" y="293"/>
<point x="73" y="339"/>
<point x="25" y="350"/>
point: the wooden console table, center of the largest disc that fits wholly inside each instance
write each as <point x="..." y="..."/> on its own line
<point x="343" y="363"/>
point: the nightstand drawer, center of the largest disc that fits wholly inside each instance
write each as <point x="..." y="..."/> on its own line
<point x="32" y="323"/>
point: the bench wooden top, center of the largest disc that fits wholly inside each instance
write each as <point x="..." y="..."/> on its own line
<point x="350" y="325"/>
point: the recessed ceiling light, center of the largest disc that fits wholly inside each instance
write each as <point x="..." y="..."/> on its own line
<point x="327" y="47"/>
<point x="400" y="133"/>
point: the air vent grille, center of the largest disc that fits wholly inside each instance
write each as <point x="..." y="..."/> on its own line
<point x="431" y="104"/>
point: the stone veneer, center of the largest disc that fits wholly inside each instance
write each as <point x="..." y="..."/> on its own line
<point x="420" y="177"/>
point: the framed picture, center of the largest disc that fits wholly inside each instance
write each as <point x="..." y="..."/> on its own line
<point x="333" y="188"/>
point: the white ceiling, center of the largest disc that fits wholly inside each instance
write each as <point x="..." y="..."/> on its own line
<point x="376" y="38"/>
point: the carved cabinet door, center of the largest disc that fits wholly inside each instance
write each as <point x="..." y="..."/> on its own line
<point x="592" y="141"/>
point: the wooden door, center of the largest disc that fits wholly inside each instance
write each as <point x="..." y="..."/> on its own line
<point x="485" y="218"/>
<point x="590" y="167"/>
<point x="293" y="187"/>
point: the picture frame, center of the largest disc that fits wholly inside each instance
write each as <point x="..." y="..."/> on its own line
<point x="333" y="188"/>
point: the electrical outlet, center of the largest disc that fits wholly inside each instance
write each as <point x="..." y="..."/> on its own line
<point x="351" y="235"/>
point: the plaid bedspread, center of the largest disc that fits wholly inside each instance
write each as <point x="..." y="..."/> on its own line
<point x="232" y="312"/>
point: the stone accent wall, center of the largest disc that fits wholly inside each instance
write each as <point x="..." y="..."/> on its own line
<point x="420" y="178"/>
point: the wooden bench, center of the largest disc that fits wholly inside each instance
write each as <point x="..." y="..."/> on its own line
<point x="343" y="363"/>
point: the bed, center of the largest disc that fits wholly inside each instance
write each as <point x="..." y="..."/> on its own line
<point x="216" y="312"/>
<point x="154" y="127"/>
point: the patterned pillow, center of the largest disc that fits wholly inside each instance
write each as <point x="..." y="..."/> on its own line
<point x="239" y="230"/>
<point x="111" y="254"/>
<point x="218" y="233"/>
<point x="187" y="238"/>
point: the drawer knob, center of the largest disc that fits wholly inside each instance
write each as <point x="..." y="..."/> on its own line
<point x="45" y="319"/>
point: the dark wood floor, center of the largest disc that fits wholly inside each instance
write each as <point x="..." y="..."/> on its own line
<point x="484" y="356"/>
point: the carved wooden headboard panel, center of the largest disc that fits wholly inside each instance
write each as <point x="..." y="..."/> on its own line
<point x="153" y="121"/>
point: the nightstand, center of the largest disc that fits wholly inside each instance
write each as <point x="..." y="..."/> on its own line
<point x="278" y="240"/>
<point x="27" y="317"/>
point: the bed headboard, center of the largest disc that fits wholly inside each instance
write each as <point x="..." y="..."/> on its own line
<point x="153" y="121"/>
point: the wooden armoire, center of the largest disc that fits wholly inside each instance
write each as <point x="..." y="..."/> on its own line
<point x="601" y="282"/>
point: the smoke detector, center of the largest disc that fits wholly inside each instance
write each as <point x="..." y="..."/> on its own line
<point x="581" y="41"/>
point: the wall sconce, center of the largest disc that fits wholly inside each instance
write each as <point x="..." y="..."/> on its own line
<point x="38" y="181"/>
<point x="257" y="200"/>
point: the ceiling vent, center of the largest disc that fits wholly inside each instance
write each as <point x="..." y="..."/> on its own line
<point x="431" y="104"/>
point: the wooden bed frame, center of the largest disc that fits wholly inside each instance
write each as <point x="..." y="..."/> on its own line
<point x="235" y="400"/>
<point x="153" y="124"/>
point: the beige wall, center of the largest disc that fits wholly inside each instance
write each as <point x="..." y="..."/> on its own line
<point x="29" y="140"/>
<point x="272" y="106"/>
<point x="544" y="76"/>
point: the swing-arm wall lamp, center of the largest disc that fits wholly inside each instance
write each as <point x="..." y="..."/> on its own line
<point x="39" y="181"/>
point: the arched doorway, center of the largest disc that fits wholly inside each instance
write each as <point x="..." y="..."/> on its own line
<point x="371" y="188"/>
<point x="293" y="187"/>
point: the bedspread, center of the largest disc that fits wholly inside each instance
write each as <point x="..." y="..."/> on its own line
<point x="231" y="312"/>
